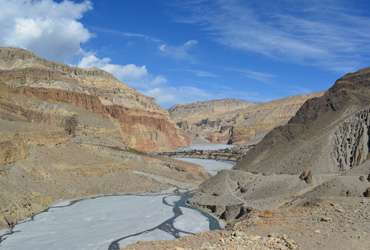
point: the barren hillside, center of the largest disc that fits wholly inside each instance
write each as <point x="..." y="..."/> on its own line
<point x="233" y="121"/>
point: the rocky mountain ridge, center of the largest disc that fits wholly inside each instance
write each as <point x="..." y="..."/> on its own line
<point x="235" y="121"/>
<point x="59" y="139"/>
<point x="306" y="184"/>
<point x="145" y="126"/>
<point x="198" y="110"/>
<point x="329" y="134"/>
<point x="321" y="152"/>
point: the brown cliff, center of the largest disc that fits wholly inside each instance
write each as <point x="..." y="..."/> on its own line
<point x="321" y="153"/>
<point x="67" y="133"/>
<point x="145" y="126"/>
<point x="235" y="122"/>
<point x="329" y="134"/>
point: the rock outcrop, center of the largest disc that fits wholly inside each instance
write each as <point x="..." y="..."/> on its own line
<point x="219" y="240"/>
<point x="197" y="111"/>
<point x="144" y="125"/>
<point x="351" y="141"/>
<point x="66" y="133"/>
<point x="208" y="121"/>
<point x="329" y="134"/>
<point x="321" y="152"/>
<point x="235" y="122"/>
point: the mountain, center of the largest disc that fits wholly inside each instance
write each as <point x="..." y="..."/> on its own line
<point x="323" y="151"/>
<point x="67" y="133"/>
<point x="208" y="121"/>
<point x="329" y="134"/>
<point x="234" y="121"/>
<point x="305" y="185"/>
<point x="143" y="124"/>
<point x="194" y="112"/>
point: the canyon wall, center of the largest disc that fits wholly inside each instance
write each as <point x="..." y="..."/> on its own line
<point x="235" y="122"/>
<point x="67" y="133"/>
<point x="144" y="125"/>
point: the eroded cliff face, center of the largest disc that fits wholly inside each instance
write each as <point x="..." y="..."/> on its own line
<point x="235" y="122"/>
<point x="57" y="144"/>
<point x="321" y="153"/>
<point x="66" y="133"/>
<point x="351" y="141"/>
<point x="198" y="111"/>
<point x="328" y="134"/>
<point x="144" y="125"/>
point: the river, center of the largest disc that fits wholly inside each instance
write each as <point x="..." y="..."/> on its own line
<point x="110" y="222"/>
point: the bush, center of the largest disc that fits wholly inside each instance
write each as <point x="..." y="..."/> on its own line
<point x="70" y="125"/>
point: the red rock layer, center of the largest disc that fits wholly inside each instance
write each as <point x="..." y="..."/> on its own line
<point x="142" y="130"/>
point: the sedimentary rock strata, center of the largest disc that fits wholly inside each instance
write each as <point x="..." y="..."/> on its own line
<point x="235" y="122"/>
<point x="144" y="125"/>
<point x="67" y="133"/>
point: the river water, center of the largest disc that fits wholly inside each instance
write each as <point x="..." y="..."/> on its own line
<point x="208" y="147"/>
<point x="211" y="166"/>
<point x="111" y="222"/>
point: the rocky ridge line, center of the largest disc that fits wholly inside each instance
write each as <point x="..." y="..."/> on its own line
<point x="234" y="122"/>
<point x="142" y="120"/>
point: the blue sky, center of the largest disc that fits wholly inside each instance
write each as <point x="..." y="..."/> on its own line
<point x="187" y="50"/>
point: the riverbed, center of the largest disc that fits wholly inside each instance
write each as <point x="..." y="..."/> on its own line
<point x="111" y="222"/>
<point x="211" y="166"/>
<point x="206" y="147"/>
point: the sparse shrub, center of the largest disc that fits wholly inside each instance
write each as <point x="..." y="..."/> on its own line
<point x="70" y="125"/>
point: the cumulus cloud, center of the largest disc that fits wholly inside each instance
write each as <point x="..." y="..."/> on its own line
<point x="134" y="75"/>
<point x="158" y="80"/>
<point x="139" y="77"/>
<point x="125" y="73"/>
<point x="51" y="29"/>
<point x="168" y="93"/>
<point x="181" y="52"/>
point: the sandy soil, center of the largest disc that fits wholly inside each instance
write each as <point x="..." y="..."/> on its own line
<point x="334" y="223"/>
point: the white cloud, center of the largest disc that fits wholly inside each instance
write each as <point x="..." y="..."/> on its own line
<point x="126" y="73"/>
<point x="170" y="95"/>
<point x="131" y="74"/>
<point x="158" y="80"/>
<point x="256" y="75"/>
<point x="129" y="71"/>
<point x="191" y="43"/>
<point x="181" y="52"/>
<point x="166" y="93"/>
<point x="139" y="77"/>
<point x="327" y="33"/>
<point x="197" y="72"/>
<point x="128" y="34"/>
<point x="201" y="73"/>
<point x="51" y="29"/>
